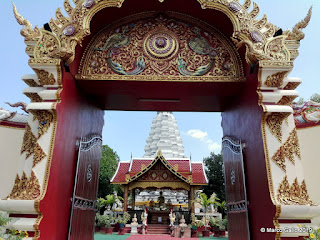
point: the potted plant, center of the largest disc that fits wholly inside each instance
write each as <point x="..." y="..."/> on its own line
<point x="193" y="226"/>
<point x="97" y="222"/>
<point x="105" y="223"/>
<point x="123" y="221"/>
<point x="205" y="202"/>
<point x="110" y="200"/>
<point x="218" y="225"/>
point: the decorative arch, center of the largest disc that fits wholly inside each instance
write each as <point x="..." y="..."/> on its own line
<point x="268" y="49"/>
<point x="160" y="46"/>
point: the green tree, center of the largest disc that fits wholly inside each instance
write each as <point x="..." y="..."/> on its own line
<point x="215" y="174"/>
<point x="108" y="166"/>
<point x="315" y="97"/>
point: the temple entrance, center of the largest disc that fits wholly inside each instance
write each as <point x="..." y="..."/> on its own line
<point x="160" y="56"/>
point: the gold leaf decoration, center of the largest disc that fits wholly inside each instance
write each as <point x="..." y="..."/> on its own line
<point x="293" y="195"/>
<point x="34" y="97"/>
<point x="143" y="167"/>
<point x="176" y="167"/>
<point x="274" y="123"/>
<point x="38" y="155"/>
<point x="286" y="100"/>
<point x="29" y="142"/>
<point x="278" y="158"/>
<point x="30" y="82"/>
<point x="45" y="78"/>
<point x="25" y="188"/>
<point x="28" y="31"/>
<point x="291" y="146"/>
<point x="276" y="79"/>
<point x="45" y="118"/>
<point x="291" y="85"/>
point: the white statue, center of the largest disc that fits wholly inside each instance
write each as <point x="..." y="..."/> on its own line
<point x="134" y="224"/>
<point x="172" y="218"/>
<point x="144" y="217"/>
<point x="4" y="114"/>
<point x="182" y="222"/>
<point x="117" y="204"/>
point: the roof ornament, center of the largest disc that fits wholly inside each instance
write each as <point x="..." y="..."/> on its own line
<point x="4" y="114"/>
<point x="159" y="153"/>
<point x="252" y="55"/>
<point x="19" y="104"/>
<point x="28" y="31"/>
<point x="296" y="33"/>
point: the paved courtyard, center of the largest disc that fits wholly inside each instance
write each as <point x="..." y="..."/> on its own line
<point x="146" y="237"/>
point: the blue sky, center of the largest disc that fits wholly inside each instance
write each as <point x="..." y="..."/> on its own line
<point x="126" y="132"/>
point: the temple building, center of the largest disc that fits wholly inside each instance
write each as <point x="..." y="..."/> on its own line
<point x="163" y="178"/>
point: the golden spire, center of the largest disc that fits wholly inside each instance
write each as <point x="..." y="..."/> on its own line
<point x="28" y="32"/>
<point x="296" y="33"/>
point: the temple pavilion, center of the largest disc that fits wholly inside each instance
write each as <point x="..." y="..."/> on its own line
<point x="164" y="177"/>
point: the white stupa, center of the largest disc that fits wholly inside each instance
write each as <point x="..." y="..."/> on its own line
<point x="164" y="134"/>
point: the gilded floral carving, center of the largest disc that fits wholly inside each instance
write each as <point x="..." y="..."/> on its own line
<point x="278" y="158"/>
<point x="45" y="118"/>
<point x="291" y="85"/>
<point x="287" y="150"/>
<point x="293" y="195"/>
<point x="39" y="154"/>
<point x="30" y="82"/>
<point x="34" y="97"/>
<point x="274" y="122"/>
<point x="291" y="146"/>
<point x="45" y="78"/>
<point x="162" y="45"/>
<point x="276" y="79"/>
<point x="277" y="50"/>
<point x="47" y="45"/>
<point x="29" y="142"/>
<point x="25" y="188"/>
<point x="286" y="100"/>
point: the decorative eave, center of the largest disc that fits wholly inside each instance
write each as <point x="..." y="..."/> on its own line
<point x="255" y="34"/>
<point x="159" y="157"/>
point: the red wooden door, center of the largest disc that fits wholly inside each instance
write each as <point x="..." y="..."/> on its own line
<point x="85" y="189"/>
<point x="238" y="222"/>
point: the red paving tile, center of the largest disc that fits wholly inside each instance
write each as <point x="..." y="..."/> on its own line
<point x="156" y="237"/>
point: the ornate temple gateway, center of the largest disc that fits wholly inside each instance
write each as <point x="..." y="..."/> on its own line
<point x="162" y="56"/>
<point x="167" y="169"/>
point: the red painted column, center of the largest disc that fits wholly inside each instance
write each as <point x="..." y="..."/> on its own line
<point x="76" y="118"/>
<point x="243" y="122"/>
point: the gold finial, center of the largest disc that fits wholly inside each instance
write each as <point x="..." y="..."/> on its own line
<point x="296" y="33"/>
<point x="28" y="31"/>
<point x="159" y="153"/>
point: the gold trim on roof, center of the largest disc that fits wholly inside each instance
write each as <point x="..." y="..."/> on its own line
<point x="159" y="157"/>
<point x="173" y="185"/>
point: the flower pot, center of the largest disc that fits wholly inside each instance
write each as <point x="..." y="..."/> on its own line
<point x="200" y="229"/>
<point x="121" y="231"/>
<point x="108" y="230"/>
<point x="97" y="228"/>
<point x="205" y="233"/>
<point x="217" y="233"/>
<point x="102" y="229"/>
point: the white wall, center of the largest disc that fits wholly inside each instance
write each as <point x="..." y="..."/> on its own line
<point x="309" y="139"/>
<point x="10" y="147"/>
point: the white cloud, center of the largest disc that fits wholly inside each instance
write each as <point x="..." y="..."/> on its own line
<point x="196" y="133"/>
<point x="203" y="137"/>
